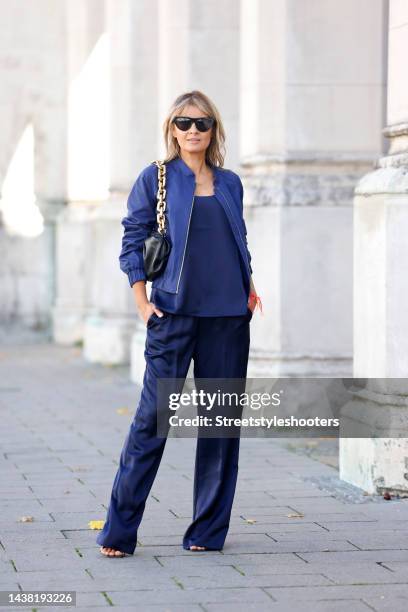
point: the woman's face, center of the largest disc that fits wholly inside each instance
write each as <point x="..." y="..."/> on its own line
<point x="192" y="141"/>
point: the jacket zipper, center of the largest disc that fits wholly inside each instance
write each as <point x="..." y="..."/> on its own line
<point x="239" y="233"/>
<point x="185" y="244"/>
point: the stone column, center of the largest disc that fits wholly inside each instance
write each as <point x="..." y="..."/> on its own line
<point x="311" y="112"/>
<point x="32" y="161"/>
<point x="132" y="31"/>
<point x="381" y="293"/>
<point x="199" y="48"/>
<point x="112" y="113"/>
<point x="198" y="45"/>
<point x="87" y="178"/>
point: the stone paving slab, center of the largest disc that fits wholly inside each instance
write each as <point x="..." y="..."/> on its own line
<point x="278" y="562"/>
<point x="137" y="607"/>
<point x="350" y="605"/>
<point x="337" y="592"/>
<point x="226" y="580"/>
<point x="354" y="556"/>
<point x="299" y="539"/>
<point x="202" y="596"/>
<point x="385" y="604"/>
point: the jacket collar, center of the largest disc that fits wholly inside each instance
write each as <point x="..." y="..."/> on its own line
<point x="180" y="164"/>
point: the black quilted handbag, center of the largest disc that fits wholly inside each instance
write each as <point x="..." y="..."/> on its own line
<point x="156" y="247"/>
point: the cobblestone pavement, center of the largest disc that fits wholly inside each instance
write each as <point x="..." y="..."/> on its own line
<point x="298" y="539"/>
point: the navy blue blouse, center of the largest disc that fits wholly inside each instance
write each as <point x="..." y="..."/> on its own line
<point x="212" y="279"/>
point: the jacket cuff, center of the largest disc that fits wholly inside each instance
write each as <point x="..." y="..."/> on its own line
<point x="136" y="274"/>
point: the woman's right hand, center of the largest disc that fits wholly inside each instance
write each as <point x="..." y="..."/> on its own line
<point x="147" y="310"/>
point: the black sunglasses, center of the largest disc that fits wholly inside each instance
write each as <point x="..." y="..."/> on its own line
<point x="203" y="124"/>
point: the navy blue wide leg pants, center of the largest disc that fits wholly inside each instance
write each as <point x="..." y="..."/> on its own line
<point x="219" y="347"/>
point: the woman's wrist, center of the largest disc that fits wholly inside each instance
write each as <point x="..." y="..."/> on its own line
<point x="140" y="295"/>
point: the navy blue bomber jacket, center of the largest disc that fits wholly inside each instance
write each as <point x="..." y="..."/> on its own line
<point x="180" y="187"/>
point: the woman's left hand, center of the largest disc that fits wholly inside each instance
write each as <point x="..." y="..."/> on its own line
<point x="254" y="298"/>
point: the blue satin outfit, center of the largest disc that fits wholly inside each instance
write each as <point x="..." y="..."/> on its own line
<point x="207" y="322"/>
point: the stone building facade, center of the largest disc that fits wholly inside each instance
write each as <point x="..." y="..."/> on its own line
<point x="314" y="98"/>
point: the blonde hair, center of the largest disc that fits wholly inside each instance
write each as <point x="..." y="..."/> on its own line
<point x="215" y="151"/>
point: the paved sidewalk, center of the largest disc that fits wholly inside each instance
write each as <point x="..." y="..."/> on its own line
<point x="63" y="426"/>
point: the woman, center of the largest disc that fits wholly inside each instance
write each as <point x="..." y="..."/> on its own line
<point x="199" y="308"/>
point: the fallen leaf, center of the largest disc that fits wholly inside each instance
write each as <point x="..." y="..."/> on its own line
<point x="96" y="524"/>
<point x="26" y="519"/>
<point x="295" y="515"/>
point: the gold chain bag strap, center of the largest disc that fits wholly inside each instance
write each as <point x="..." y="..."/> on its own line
<point x="156" y="247"/>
